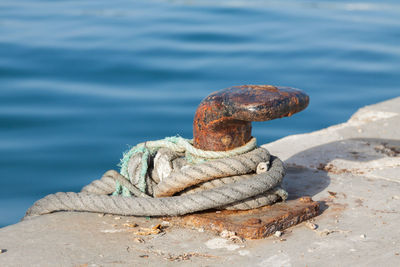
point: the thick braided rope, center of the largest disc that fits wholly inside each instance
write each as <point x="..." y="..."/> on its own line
<point x="176" y="144"/>
<point x="106" y="185"/>
<point x="192" y="175"/>
<point x="230" y="194"/>
<point x="227" y="170"/>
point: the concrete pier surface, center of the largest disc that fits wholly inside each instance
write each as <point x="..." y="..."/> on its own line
<point x="352" y="169"/>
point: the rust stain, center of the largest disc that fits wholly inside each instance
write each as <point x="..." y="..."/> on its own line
<point x="333" y="209"/>
<point x="335" y="170"/>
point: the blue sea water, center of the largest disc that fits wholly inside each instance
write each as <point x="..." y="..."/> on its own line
<point x="82" y="80"/>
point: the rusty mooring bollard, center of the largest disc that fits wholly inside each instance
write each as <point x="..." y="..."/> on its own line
<point x="223" y="119"/>
<point x="223" y="122"/>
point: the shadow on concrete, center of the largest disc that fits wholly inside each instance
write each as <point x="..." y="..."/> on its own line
<point x="312" y="178"/>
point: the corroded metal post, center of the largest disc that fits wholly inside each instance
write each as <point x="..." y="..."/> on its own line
<point x="223" y="119"/>
<point x="223" y="122"/>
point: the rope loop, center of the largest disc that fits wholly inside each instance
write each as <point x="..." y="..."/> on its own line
<point x="170" y="177"/>
<point x="176" y="144"/>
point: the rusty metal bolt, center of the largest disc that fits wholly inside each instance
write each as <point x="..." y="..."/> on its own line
<point x="223" y="119"/>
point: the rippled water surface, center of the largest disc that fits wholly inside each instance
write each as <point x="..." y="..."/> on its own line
<point x="80" y="80"/>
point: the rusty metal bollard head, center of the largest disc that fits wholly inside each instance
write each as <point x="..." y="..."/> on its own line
<point x="223" y="119"/>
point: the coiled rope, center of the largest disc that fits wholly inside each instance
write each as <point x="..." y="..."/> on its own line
<point x="171" y="177"/>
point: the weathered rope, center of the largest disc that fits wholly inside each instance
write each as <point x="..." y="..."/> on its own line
<point x="175" y="144"/>
<point x="242" y="181"/>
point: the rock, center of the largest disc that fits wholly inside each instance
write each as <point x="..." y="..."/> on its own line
<point x="278" y="233"/>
